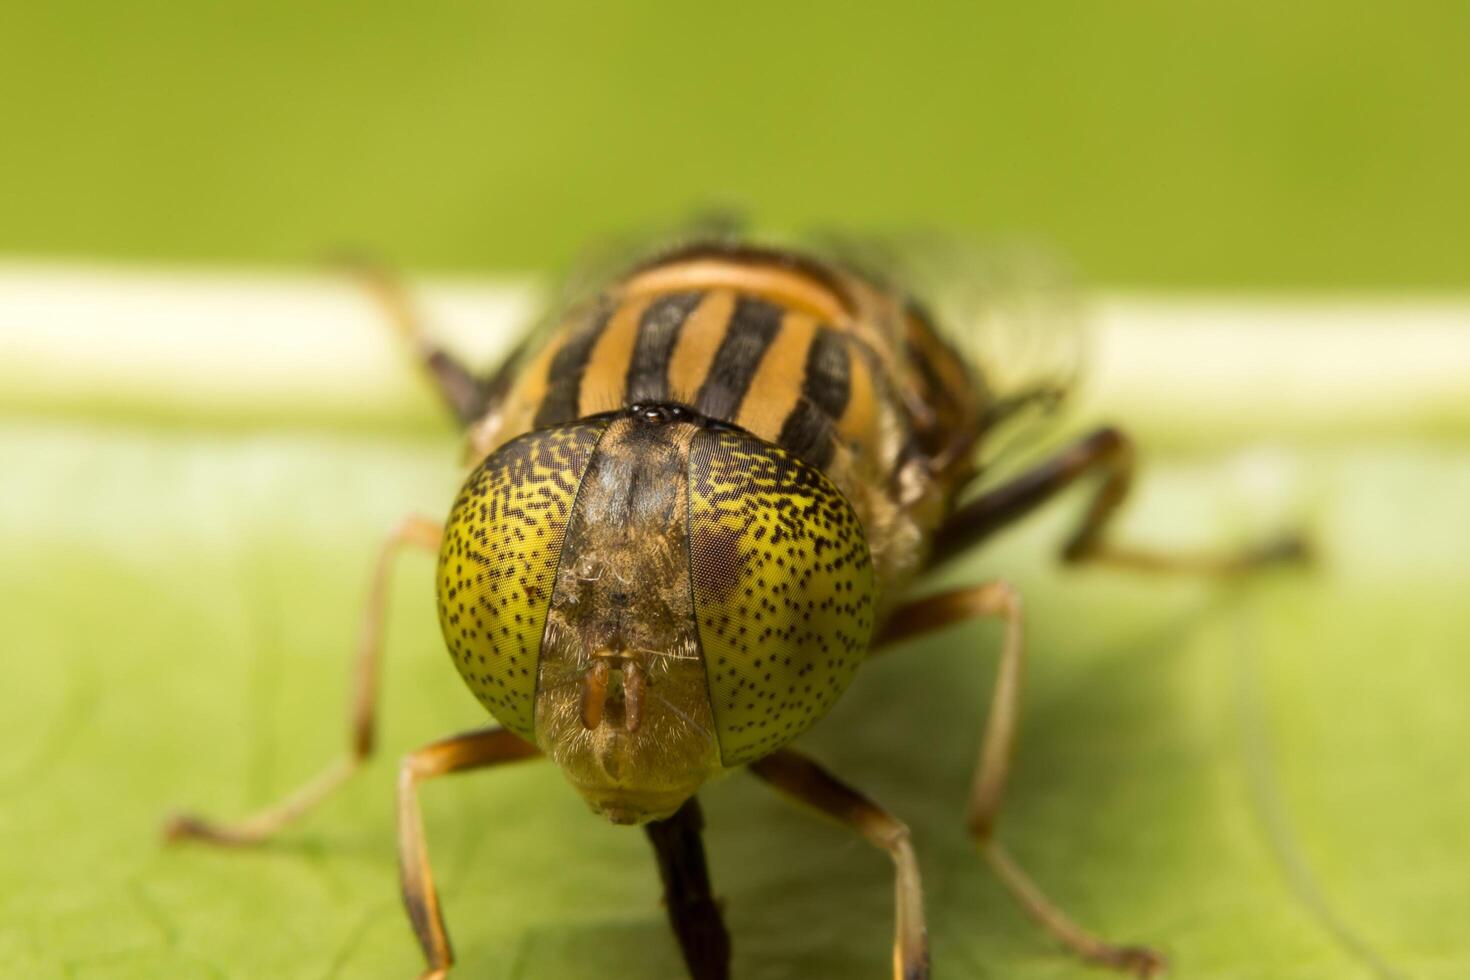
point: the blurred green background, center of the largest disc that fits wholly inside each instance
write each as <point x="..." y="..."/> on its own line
<point x="1267" y="779"/>
<point x="1261" y="144"/>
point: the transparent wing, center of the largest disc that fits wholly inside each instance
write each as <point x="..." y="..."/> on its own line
<point x="1012" y="310"/>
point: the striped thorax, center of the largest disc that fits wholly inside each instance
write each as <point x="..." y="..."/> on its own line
<point x="696" y="496"/>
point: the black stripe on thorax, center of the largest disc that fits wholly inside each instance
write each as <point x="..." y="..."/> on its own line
<point x="754" y="323"/>
<point x="564" y="379"/>
<point x="810" y="431"/>
<point x="658" y="333"/>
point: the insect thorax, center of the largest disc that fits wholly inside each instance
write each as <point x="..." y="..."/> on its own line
<point x="847" y="376"/>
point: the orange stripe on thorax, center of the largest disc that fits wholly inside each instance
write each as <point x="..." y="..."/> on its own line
<point x="518" y="411"/>
<point x="606" y="376"/>
<point x="776" y="387"/>
<point x="782" y="286"/>
<point x="698" y="341"/>
<point x="859" y="422"/>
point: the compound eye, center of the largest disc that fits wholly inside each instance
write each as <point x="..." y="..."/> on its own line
<point x="783" y="590"/>
<point x="497" y="565"/>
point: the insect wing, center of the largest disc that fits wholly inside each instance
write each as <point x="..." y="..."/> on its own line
<point x="1013" y="312"/>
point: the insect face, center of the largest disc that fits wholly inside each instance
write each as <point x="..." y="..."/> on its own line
<point x="623" y="705"/>
<point x="652" y="599"/>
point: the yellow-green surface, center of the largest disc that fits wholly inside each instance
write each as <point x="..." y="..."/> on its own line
<point x="1200" y="767"/>
<point x="1265" y="780"/>
<point x="1311" y="143"/>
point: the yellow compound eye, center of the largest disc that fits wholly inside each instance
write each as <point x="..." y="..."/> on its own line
<point x="783" y="590"/>
<point x="497" y="565"/>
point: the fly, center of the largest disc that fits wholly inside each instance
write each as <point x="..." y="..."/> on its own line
<point x="700" y="498"/>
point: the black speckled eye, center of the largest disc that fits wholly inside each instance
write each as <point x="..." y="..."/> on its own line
<point x="783" y="589"/>
<point x="497" y="565"/>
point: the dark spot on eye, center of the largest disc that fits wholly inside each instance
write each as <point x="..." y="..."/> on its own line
<point x="717" y="562"/>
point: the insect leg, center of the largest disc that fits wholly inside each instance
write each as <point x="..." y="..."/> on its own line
<point x="693" y="911"/>
<point x="987" y="789"/>
<point x="465" y="394"/>
<point x="419" y="532"/>
<point x="801" y="778"/>
<point x="472" y="750"/>
<point x="1109" y="454"/>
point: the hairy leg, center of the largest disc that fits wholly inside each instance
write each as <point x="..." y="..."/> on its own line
<point x="1107" y="454"/>
<point x="802" y="779"/>
<point x="472" y="750"/>
<point x="418" y="532"/>
<point x="987" y="788"/>
<point x="466" y="395"/>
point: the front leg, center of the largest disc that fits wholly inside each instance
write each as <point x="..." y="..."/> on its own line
<point x="416" y="532"/>
<point x="472" y="750"/>
<point x="801" y="778"/>
<point x="987" y="789"/>
<point x="463" y="392"/>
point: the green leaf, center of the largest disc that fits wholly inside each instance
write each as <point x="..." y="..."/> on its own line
<point x="1266" y="780"/>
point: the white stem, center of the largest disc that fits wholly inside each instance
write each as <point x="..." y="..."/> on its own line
<point x="250" y="345"/>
